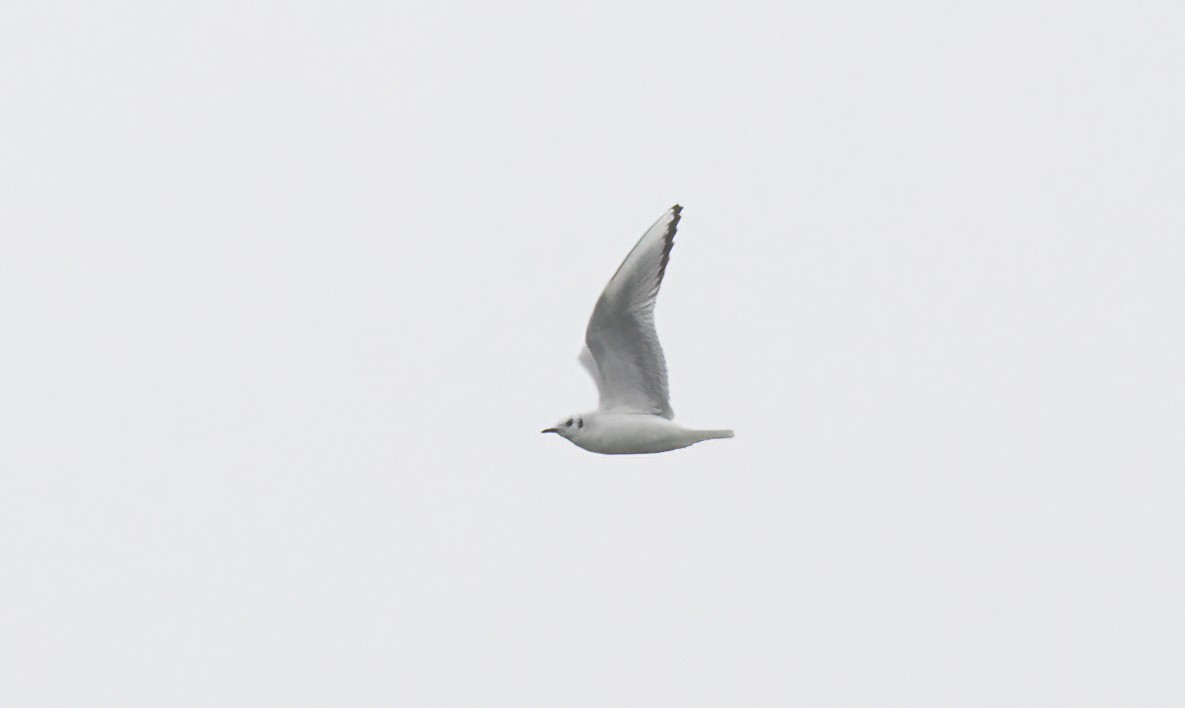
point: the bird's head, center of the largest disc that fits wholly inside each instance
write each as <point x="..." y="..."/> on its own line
<point x="569" y="427"/>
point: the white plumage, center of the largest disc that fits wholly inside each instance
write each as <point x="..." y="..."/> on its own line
<point x="625" y="359"/>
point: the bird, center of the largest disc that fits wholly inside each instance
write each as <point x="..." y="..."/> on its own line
<point x="625" y="359"/>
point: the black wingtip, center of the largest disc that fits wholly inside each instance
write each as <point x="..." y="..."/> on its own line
<point x="669" y="241"/>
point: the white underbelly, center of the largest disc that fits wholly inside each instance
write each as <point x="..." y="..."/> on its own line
<point x="632" y="433"/>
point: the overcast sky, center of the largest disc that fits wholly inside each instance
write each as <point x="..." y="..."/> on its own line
<point x="288" y="290"/>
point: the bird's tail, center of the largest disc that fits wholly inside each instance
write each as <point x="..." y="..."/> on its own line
<point x="714" y="434"/>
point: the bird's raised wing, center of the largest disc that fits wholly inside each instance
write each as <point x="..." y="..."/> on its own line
<point x="626" y="359"/>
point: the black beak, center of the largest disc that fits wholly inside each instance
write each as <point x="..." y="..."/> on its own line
<point x="549" y="430"/>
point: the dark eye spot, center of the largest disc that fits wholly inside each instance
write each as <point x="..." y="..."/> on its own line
<point x="568" y="424"/>
<point x="580" y="423"/>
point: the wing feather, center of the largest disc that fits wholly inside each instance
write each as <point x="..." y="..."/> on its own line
<point x="627" y="359"/>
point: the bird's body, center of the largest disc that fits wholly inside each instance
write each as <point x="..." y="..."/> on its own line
<point x="623" y="355"/>
<point x="636" y="433"/>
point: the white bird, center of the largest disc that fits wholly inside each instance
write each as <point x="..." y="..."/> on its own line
<point x="625" y="359"/>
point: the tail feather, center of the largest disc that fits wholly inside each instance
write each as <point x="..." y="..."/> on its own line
<point x="714" y="434"/>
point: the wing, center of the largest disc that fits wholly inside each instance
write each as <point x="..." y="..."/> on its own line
<point x="590" y="365"/>
<point x="626" y="359"/>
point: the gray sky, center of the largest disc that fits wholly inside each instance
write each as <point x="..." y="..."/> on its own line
<point x="288" y="293"/>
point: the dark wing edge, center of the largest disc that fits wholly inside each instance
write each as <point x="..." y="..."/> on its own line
<point x="668" y="243"/>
